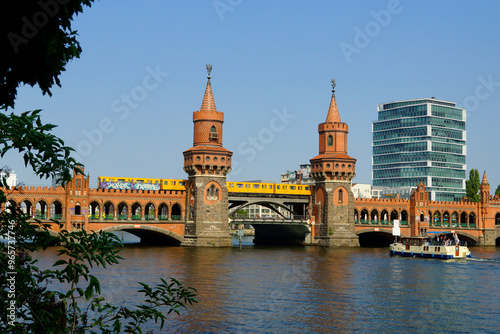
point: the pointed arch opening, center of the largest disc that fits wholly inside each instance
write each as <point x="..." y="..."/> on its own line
<point x="27" y="208"/>
<point x="384" y="217"/>
<point x="149" y="212"/>
<point x="163" y="212"/>
<point x="446" y="219"/>
<point x="41" y="210"/>
<point x="109" y="211"/>
<point x="454" y="219"/>
<point x="463" y="219"/>
<point x="213" y="133"/>
<point x="122" y="211"/>
<point x="364" y="216"/>
<point x="213" y="193"/>
<point x="176" y="212"/>
<point x="78" y="209"/>
<point x="56" y="211"/>
<point x="472" y="220"/>
<point x="94" y="210"/>
<point x="404" y="217"/>
<point x="136" y="211"/>
<point x="394" y="216"/>
<point x="437" y="218"/>
<point x="374" y="216"/>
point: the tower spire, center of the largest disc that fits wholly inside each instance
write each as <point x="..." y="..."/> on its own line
<point x="333" y="112"/>
<point x="485" y="178"/>
<point x="208" y="103"/>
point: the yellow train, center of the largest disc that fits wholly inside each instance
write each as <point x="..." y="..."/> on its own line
<point x="106" y="182"/>
<point x="269" y="188"/>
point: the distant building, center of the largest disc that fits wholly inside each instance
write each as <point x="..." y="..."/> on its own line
<point x="11" y="177"/>
<point x="365" y="190"/>
<point x="300" y="176"/>
<point x="424" y="141"/>
<point x="362" y="190"/>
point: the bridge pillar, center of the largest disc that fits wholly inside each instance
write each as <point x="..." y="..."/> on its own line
<point x="335" y="203"/>
<point x="207" y="163"/>
<point x="207" y="218"/>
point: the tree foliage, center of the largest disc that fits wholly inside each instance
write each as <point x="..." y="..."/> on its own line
<point x="472" y="186"/>
<point x="34" y="306"/>
<point x="497" y="192"/>
<point x="37" y="43"/>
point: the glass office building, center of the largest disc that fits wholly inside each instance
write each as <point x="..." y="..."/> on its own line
<point x="421" y="141"/>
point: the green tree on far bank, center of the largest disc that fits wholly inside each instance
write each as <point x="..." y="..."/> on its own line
<point x="497" y="192"/>
<point x="472" y="186"/>
<point x="37" y="43"/>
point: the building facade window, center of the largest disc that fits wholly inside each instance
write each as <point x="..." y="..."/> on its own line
<point x="212" y="193"/>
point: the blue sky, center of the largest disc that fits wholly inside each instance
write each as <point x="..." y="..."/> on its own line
<point x="126" y="105"/>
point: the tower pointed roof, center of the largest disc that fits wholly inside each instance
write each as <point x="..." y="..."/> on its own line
<point x="208" y="103"/>
<point x="333" y="111"/>
<point x="485" y="179"/>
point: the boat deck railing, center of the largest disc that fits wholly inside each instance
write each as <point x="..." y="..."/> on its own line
<point x="448" y="242"/>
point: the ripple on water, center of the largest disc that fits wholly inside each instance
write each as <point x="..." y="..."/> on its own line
<point x="315" y="290"/>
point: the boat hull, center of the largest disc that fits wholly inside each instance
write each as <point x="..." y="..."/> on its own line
<point x="435" y="252"/>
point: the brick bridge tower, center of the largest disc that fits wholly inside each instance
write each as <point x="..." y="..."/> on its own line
<point x="333" y="171"/>
<point x="207" y="163"/>
<point x="488" y="237"/>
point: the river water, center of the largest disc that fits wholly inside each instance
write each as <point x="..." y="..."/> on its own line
<point x="313" y="289"/>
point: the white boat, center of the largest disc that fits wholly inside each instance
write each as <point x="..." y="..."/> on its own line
<point x="427" y="246"/>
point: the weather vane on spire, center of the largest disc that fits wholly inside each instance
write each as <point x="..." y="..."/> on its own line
<point x="209" y="70"/>
<point x="333" y="84"/>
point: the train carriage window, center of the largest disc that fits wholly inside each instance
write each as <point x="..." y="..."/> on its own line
<point x="308" y="188"/>
<point x="256" y="186"/>
<point x="292" y="187"/>
<point x="239" y="185"/>
<point x="182" y="183"/>
<point x="278" y="187"/>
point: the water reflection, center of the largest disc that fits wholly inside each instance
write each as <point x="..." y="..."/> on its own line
<point x="315" y="290"/>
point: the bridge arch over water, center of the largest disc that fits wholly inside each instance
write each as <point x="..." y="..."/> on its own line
<point x="149" y="234"/>
<point x="376" y="237"/>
